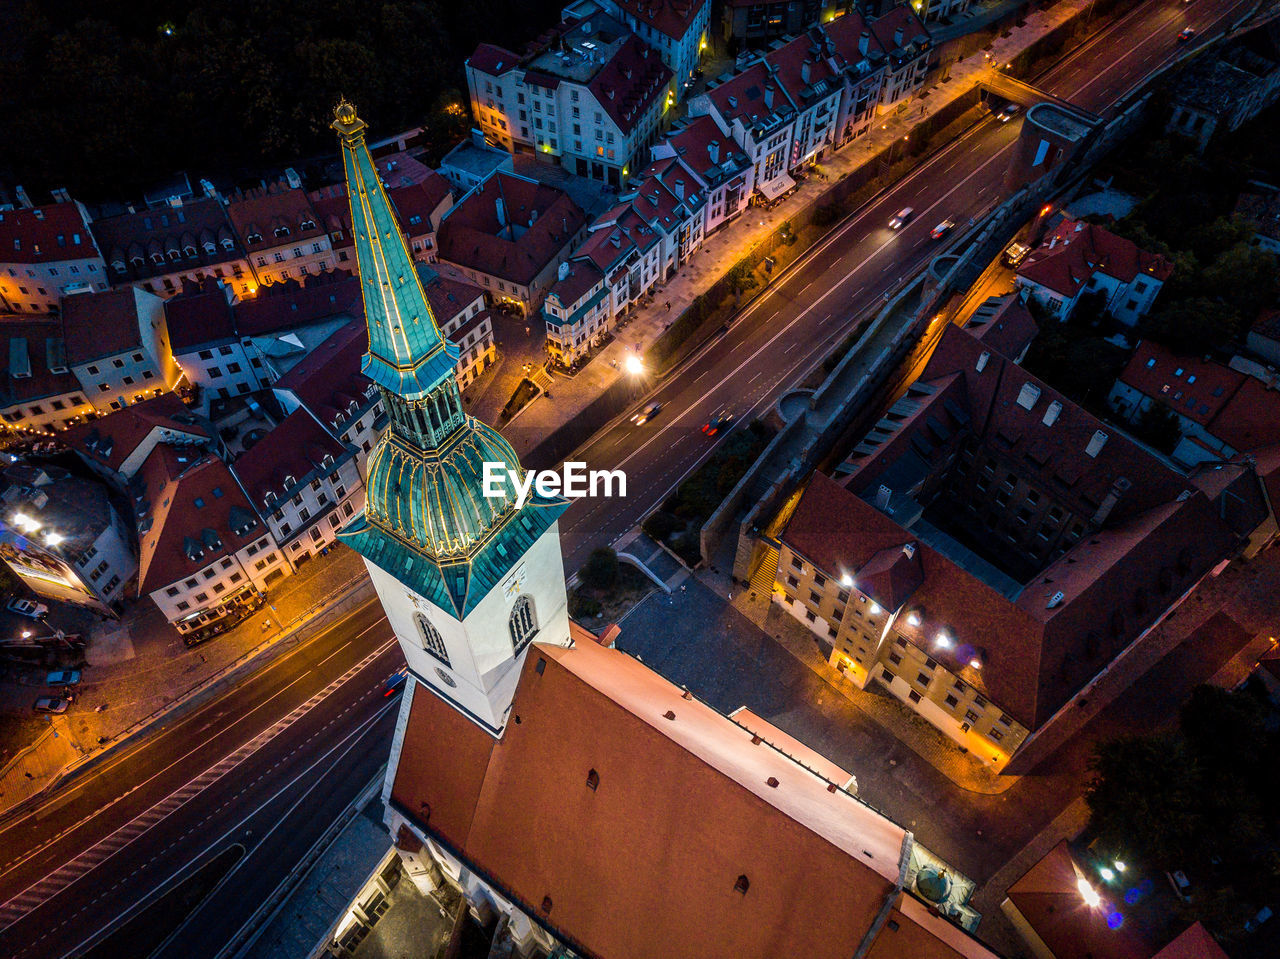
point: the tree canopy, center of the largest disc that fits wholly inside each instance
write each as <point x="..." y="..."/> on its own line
<point x="107" y="98"/>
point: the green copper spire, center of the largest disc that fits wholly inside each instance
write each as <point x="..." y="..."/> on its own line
<point x="407" y="352"/>
<point x="426" y="519"/>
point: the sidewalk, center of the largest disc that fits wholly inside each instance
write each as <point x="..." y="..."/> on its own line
<point x="138" y="668"/>
<point x="725" y="247"/>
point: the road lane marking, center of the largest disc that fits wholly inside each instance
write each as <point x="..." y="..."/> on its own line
<point x="73" y="869"/>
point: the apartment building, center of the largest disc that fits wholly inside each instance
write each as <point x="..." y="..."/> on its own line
<point x="969" y="563"/>
<point x="754" y="109"/>
<point x="1080" y="258"/>
<point x="329" y="384"/>
<point x="509" y="235"/>
<point x="677" y="29"/>
<point x="39" y="393"/>
<point x="214" y="360"/>
<point x="754" y="23"/>
<point x="62" y="537"/>
<point x="116" y="445"/>
<point x="205" y="556"/>
<point x="46" y="253"/>
<point x="286" y="321"/>
<point x="157" y="249"/>
<point x="576" y="311"/>
<point x="117" y="345"/>
<point x="304" y="483"/>
<point x="461" y="314"/>
<point x="907" y="46"/>
<point x="280" y="232"/>
<point x="419" y="206"/>
<point x="589" y="93"/>
<point x="722" y="171"/>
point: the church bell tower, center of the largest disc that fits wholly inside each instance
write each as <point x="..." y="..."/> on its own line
<point x="467" y="581"/>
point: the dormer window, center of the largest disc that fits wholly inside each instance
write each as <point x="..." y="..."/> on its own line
<point x="189" y="250"/>
<point x="252" y="238"/>
<point x="157" y="259"/>
<point x="209" y="248"/>
<point x="327" y="461"/>
<point x="118" y="266"/>
<point x="227" y="244"/>
<point x="174" y="256"/>
<point x="281" y="231"/>
<point x="308" y="224"/>
<point x="288" y="480"/>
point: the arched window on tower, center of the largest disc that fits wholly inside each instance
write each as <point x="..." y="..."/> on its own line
<point x="523" y="625"/>
<point x="431" y="640"/>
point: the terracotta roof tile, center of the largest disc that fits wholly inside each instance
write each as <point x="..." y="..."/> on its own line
<point x="111" y="439"/>
<point x="1070" y="255"/>
<point x="95" y="325"/>
<point x="132" y="238"/>
<point x="40" y="336"/>
<point x="294" y="450"/>
<point x="46" y="234"/>
<point x="199" y="315"/>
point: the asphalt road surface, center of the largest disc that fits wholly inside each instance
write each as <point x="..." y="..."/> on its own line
<point x="269" y="764"/>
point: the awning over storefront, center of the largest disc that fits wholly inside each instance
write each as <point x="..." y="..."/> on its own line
<point x="776" y="187"/>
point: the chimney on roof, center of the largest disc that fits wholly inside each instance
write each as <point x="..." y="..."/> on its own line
<point x="1118" y="489"/>
<point x="983" y="359"/>
<point x="864" y="42"/>
<point x="713" y="151"/>
<point x="768" y="98"/>
<point x="679" y="189"/>
<point x="1096" y="442"/>
<point x="804" y="72"/>
<point x="24" y="201"/>
<point x="882" y="497"/>
<point x="61" y="195"/>
<point x="1052" y="413"/>
<point x="563" y="272"/>
<point x="502" y="213"/>
<point x="909" y="550"/>
<point x="897" y="37"/>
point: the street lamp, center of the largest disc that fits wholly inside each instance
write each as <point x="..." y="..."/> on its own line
<point x="1088" y="893"/>
<point x="633" y="365"/>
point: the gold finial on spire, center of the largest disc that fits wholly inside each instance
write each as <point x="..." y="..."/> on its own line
<point x="345" y="122"/>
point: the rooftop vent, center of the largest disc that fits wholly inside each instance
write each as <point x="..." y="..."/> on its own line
<point x="1056" y="600"/>
<point x="983" y="359"/>
<point x="772" y="782"/>
<point x="1028" y="395"/>
<point x="1096" y="442"/>
<point x="669" y="715"/>
<point x="1052" y="413"/>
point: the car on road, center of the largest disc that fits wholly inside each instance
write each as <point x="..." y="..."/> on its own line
<point x="942" y="229"/>
<point x="901" y="218"/>
<point x="1008" y="112"/>
<point x="1186" y="35"/>
<point x="63" y="677"/>
<point x="395" y="682"/>
<point x="51" y="704"/>
<point x="28" y="608"/>
<point x="646" y="414"/>
<point x="718" y="422"/>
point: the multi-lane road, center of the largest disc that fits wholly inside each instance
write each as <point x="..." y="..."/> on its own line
<point x="268" y="765"/>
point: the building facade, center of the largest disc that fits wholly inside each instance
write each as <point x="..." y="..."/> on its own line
<point x="280" y="233"/>
<point x="46" y="253"/>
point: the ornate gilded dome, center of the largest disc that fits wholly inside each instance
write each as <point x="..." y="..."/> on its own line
<point x="433" y="499"/>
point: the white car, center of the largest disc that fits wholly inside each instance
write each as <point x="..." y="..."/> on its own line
<point x="901" y="218"/>
<point x="1008" y="112"/>
<point x="29" y="608"/>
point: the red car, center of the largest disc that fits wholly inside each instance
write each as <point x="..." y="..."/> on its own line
<point x="718" y="422"/>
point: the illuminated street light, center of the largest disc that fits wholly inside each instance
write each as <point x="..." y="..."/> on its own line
<point x="976" y="663"/>
<point x="875" y="609"/>
<point x="943" y="641"/>
<point x="913" y="618"/>
<point x="1120" y="867"/>
<point x="633" y="365"/>
<point x="1088" y="894"/>
<point x="1106" y="874"/>
<point x="26" y="634"/>
<point x="846" y="581"/>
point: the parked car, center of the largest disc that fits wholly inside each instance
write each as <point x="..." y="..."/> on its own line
<point x="395" y="682"/>
<point x="29" y="608"/>
<point x="51" y="704"/>
<point x="901" y="218"/>
<point x="1008" y="112"/>
<point x="1186" y="35"/>
<point x="718" y="422"/>
<point x="63" y="677"/>
<point x="646" y="414"/>
<point x="942" y="229"/>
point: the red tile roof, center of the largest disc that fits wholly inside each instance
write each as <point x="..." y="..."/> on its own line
<point x="474" y="236"/>
<point x="746" y="97"/>
<point x="1009" y="327"/>
<point x="630" y="83"/>
<point x="448" y="291"/>
<point x="521" y="813"/>
<point x="1251" y="417"/>
<point x="41" y="336"/>
<point x="111" y="439"/>
<point x="1260" y="209"/>
<point x="1048" y="896"/>
<point x="328" y="381"/>
<point x="492" y="60"/>
<point x="45" y="234"/>
<point x="133" y="238"/>
<point x="95" y="325"/>
<point x="282" y="306"/>
<point x="199" y="315"/>
<point x="168" y="487"/>
<point x="1076" y="250"/>
<point x="416" y="204"/>
<point x="1194" y="943"/>
<point x="713" y="156"/>
<point x="262" y="212"/>
<point x="580" y="279"/>
<point x="286" y="458"/>
<point x="672" y="18"/>
<point x="1195" y="388"/>
<point x="915" y="37"/>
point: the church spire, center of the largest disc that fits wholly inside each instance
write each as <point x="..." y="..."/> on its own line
<point x="408" y="355"/>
